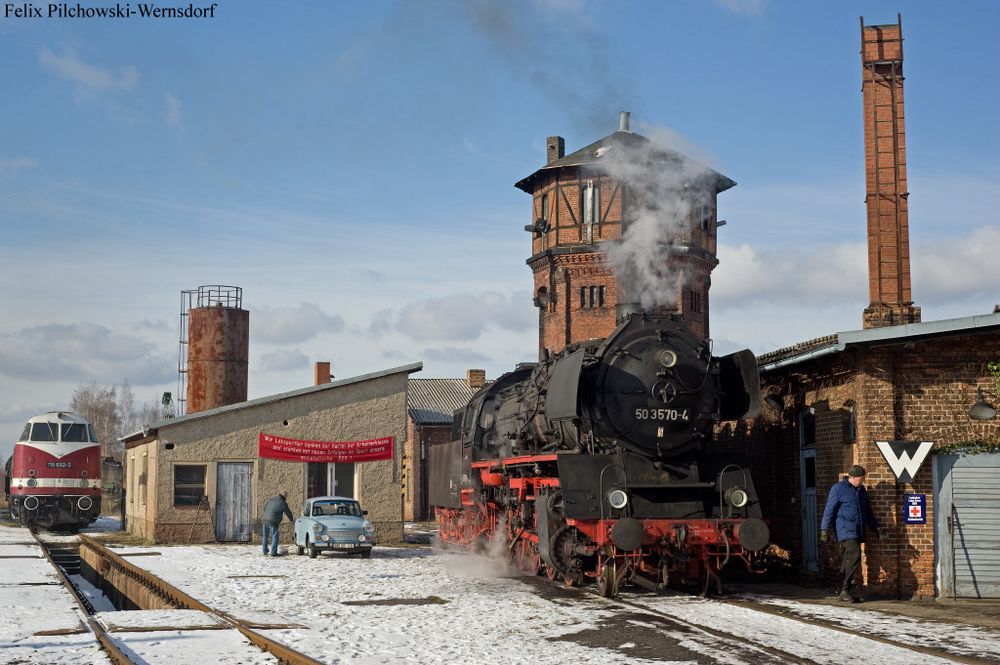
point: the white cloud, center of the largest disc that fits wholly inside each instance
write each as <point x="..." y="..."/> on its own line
<point x="290" y="325"/>
<point x="460" y="317"/>
<point x="172" y="110"/>
<point x="453" y="354"/>
<point x="283" y="360"/>
<point x="85" y="76"/>
<point x="82" y="352"/>
<point x="794" y="276"/>
<point x="955" y="267"/>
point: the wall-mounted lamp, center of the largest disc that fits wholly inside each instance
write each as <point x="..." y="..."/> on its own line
<point x="775" y="402"/>
<point x="982" y="410"/>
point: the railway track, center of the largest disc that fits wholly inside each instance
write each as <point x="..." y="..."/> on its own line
<point x="784" y="655"/>
<point x="66" y="556"/>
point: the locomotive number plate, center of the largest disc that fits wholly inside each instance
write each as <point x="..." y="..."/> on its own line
<point x="661" y="414"/>
<point x="59" y="465"/>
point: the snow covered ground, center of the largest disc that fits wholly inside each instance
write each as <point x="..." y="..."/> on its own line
<point x="409" y="605"/>
<point x="425" y="605"/>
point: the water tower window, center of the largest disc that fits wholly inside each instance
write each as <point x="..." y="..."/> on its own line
<point x="592" y="296"/>
<point x="703" y="209"/>
<point x="695" y="298"/>
<point x="545" y="207"/>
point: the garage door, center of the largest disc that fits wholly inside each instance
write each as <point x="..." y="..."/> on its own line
<point x="968" y="525"/>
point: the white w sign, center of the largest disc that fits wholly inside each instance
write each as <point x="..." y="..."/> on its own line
<point x="904" y="457"/>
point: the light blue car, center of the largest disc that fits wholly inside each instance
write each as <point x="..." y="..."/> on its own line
<point x="334" y="523"/>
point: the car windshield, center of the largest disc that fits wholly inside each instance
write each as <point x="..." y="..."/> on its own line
<point x="336" y="508"/>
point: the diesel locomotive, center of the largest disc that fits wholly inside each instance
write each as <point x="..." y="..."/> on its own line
<point x="54" y="476"/>
<point x="598" y="465"/>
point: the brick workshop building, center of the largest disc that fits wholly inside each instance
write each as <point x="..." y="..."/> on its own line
<point x="896" y="380"/>
<point x="199" y="478"/>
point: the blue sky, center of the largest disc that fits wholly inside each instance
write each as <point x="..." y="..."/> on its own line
<point x="351" y="166"/>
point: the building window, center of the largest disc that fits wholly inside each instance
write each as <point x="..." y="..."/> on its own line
<point x="545" y="207"/>
<point x="592" y="296"/>
<point x="591" y="206"/>
<point x="807" y="428"/>
<point x="703" y="210"/>
<point x="695" y="298"/>
<point x="189" y="484"/>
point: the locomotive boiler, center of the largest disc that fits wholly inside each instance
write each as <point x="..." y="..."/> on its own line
<point x="54" y="476"/>
<point x="599" y="464"/>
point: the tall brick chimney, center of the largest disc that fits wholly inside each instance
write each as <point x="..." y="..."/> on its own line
<point x="475" y="378"/>
<point x="885" y="174"/>
<point x="322" y="373"/>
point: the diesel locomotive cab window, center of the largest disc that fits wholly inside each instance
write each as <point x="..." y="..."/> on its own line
<point x="189" y="484"/>
<point x="74" y="433"/>
<point x="45" y="432"/>
<point x="26" y="433"/>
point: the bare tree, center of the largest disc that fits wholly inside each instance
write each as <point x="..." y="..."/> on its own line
<point x="113" y="412"/>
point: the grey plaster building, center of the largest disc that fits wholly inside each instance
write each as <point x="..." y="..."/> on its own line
<point x="199" y="478"/>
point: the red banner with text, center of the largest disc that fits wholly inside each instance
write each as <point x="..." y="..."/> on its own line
<point x="276" y="447"/>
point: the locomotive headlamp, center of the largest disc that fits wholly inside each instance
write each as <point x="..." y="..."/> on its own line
<point x="617" y="499"/>
<point x="666" y="358"/>
<point x="32" y="482"/>
<point x="737" y="497"/>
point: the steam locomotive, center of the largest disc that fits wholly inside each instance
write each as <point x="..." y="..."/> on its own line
<point x="54" y="476"/>
<point x="598" y="464"/>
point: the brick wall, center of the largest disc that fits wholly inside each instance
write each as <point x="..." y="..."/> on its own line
<point x="415" y="492"/>
<point x="919" y="391"/>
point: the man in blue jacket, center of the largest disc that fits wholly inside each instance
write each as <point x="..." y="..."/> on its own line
<point x="274" y="509"/>
<point x="848" y="511"/>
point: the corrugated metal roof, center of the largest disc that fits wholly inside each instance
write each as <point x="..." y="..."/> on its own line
<point x="612" y="145"/>
<point x="434" y="401"/>
<point x="909" y="332"/>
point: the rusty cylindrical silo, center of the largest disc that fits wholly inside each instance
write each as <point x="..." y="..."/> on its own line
<point x="218" y="348"/>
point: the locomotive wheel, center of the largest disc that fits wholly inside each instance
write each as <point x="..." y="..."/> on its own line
<point x="551" y="573"/>
<point x="607" y="580"/>
<point x="710" y="579"/>
<point x="664" y="577"/>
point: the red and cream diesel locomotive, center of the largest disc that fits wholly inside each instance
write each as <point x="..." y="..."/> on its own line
<point x="54" y="476"/>
<point x="599" y="464"/>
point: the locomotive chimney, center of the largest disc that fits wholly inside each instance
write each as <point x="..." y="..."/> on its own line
<point x="625" y="310"/>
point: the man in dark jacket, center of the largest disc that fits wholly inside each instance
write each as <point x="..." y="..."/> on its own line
<point x="848" y="511"/>
<point x="274" y="509"/>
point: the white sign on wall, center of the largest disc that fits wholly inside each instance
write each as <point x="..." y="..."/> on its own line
<point x="904" y="457"/>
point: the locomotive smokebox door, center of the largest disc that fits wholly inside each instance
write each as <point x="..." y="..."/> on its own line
<point x="739" y="380"/>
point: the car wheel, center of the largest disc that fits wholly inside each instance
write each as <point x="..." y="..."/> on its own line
<point x="366" y="553"/>
<point x="312" y="549"/>
<point x="299" y="550"/>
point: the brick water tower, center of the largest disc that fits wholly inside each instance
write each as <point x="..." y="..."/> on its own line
<point x="214" y="348"/>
